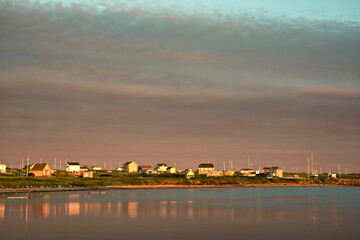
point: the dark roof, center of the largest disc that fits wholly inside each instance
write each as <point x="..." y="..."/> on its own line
<point x="83" y="166"/>
<point x="143" y="167"/>
<point x="271" y="167"/>
<point x="73" y="163"/>
<point x="169" y="167"/>
<point x="161" y="164"/>
<point x="127" y="163"/>
<point x="206" y="165"/>
<point x="39" y="166"/>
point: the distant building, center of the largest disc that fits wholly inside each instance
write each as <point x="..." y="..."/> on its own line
<point x="2" y="168"/>
<point x="189" y="174"/>
<point x="72" y="167"/>
<point x="41" y="170"/>
<point x="161" y="167"/>
<point x="213" y="173"/>
<point x="204" y="168"/>
<point x="171" y="170"/>
<point x="229" y="173"/>
<point x="332" y="176"/>
<point x="88" y="174"/>
<point x="95" y="168"/>
<point x="83" y="168"/>
<point x="147" y="169"/>
<point x="130" y="167"/>
<point x="247" y="172"/>
<point x="313" y="175"/>
<point x="120" y="169"/>
<point x="274" y="171"/>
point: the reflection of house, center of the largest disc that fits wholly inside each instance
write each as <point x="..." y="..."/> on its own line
<point x="274" y="171"/>
<point x="160" y="167"/>
<point x="332" y="176"/>
<point x="2" y="168"/>
<point x="189" y="174"/>
<point x="72" y="167"/>
<point x="41" y="170"/>
<point x="147" y="169"/>
<point x="171" y="170"/>
<point x="88" y="174"/>
<point x="130" y="167"/>
<point x="95" y="168"/>
<point x="204" y="168"/>
<point x="247" y="172"/>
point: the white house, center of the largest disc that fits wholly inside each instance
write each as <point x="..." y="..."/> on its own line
<point x="72" y="167"/>
<point x="95" y="168"/>
<point x="130" y="167"/>
<point x="274" y="171"/>
<point x="161" y="167"/>
<point x="171" y="170"/>
<point x="189" y="174"/>
<point x="2" y="168"/>
<point x="147" y="169"/>
<point x="247" y="172"/>
<point x="204" y="168"/>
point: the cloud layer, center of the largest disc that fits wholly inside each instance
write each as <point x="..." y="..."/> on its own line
<point x="130" y="85"/>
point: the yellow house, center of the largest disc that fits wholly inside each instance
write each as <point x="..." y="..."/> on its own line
<point x="41" y="170"/>
<point x="161" y="167"/>
<point x="130" y="167"/>
<point x="171" y="170"/>
<point x="204" y="168"/>
<point x="2" y="168"/>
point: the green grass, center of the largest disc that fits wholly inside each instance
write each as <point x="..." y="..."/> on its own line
<point x="103" y="178"/>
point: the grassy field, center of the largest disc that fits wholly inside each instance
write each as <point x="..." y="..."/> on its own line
<point x="104" y="178"/>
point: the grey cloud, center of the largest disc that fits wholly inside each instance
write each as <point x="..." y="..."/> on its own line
<point x="176" y="87"/>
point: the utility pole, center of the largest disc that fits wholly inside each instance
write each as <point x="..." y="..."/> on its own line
<point x="248" y="161"/>
<point x="60" y="164"/>
<point x="339" y="170"/>
<point x="27" y="166"/>
<point x="312" y="161"/>
<point x="224" y="166"/>
<point x="55" y="164"/>
<point x="308" y="165"/>
<point x="296" y="169"/>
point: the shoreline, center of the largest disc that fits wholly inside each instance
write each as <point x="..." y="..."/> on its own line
<point x="142" y="187"/>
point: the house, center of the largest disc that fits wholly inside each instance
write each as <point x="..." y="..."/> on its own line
<point x="161" y="167"/>
<point x="95" y="168"/>
<point x="2" y="168"/>
<point x="87" y="174"/>
<point x="72" y="167"/>
<point x="171" y="170"/>
<point x="130" y="167"/>
<point x="189" y="174"/>
<point x="147" y="169"/>
<point x="313" y="175"/>
<point x="274" y="171"/>
<point x="120" y="169"/>
<point x="229" y="173"/>
<point x="332" y="176"/>
<point x="83" y="168"/>
<point x="204" y="168"/>
<point x="213" y="173"/>
<point x="247" y="172"/>
<point x="41" y="170"/>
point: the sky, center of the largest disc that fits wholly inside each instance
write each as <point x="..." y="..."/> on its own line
<point x="185" y="82"/>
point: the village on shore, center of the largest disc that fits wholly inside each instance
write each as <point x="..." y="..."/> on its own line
<point x="204" y="169"/>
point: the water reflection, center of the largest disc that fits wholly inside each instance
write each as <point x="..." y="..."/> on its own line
<point x="238" y="212"/>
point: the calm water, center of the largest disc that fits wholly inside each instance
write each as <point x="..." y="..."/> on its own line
<point x="256" y="213"/>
